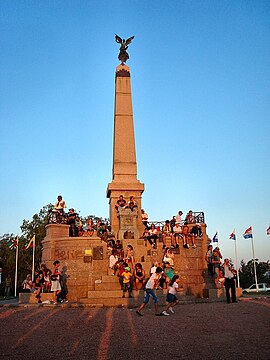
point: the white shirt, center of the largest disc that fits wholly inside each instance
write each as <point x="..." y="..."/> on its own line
<point x="151" y="282"/>
<point x="177" y="229"/>
<point x="173" y="289"/>
<point x="60" y="205"/>
<point x="112" y="261"/>
<point x="227" y="272"/>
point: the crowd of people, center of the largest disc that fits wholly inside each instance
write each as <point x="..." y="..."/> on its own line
<point x="132" y="275"/>
<point x="177" y="230"/>
<point x="180" y="232"/>
<point x="161" y="276"/>
<point x="77" y="227"/>
<point x="47" y="281"/>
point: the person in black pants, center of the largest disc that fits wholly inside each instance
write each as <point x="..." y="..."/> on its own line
<point x="229" y="274"/>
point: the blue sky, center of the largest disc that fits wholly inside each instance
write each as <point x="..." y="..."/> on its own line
<point x="200" y="81"/>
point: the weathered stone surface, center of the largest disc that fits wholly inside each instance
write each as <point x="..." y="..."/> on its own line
<point x="128" y="224"/>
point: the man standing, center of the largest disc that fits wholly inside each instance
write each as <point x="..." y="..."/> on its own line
<point x="229" y="274"/>
<point x="151" y="284"/>
<point x="59" y="207"/>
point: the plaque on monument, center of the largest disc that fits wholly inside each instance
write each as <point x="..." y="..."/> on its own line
<point x="87" y="259"/>
<point x="98" y="253"/>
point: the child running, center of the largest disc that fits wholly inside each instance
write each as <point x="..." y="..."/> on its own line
<point x="151" y="284"/>
<point x="171" y="295"/>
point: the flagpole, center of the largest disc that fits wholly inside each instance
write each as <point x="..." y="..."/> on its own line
<point x="33" y="263"/>
<point x="16" y="267"/>
<point x="236" y="261"/>
<point x="254" y="264"/>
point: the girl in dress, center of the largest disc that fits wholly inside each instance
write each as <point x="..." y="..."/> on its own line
<point x="55" y="278"/>
<point x="171" y="295"/>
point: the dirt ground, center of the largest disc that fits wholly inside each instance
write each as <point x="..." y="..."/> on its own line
<point x="195" y="331"/>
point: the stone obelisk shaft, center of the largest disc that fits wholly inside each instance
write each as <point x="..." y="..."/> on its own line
<point x="124" y="174"/>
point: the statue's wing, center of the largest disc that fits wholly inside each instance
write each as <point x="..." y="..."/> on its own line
<point x="118" y="39"/>
<point x="128" y="41"/>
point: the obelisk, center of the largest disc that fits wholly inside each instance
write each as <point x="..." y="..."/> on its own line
<point x="124" y="172"/>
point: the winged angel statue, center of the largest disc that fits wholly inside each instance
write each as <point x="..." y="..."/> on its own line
<point x="123" y="55"/>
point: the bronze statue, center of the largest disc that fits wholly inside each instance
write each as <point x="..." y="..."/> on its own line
<point x="123" y="55"/>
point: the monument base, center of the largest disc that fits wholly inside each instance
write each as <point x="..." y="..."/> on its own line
<point x="85" y="264"/>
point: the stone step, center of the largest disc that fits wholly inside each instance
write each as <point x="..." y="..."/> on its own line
<point x="114" y="298"/>
<point x="107" y="286"/>
<point x="30" y="298"/>
<point x="103" y="294"/>
<point x="109" y="279"/>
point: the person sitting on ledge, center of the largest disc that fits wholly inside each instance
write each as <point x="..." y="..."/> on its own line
<point x="186" y="235"/>
<point x="196" y="229"/>
<point x="166" y="232"/>
<point x="121" y="268"/>
<point x="190" y="219"/>
<point x="119" y="249"/>
<point x="37" y="284"/>
<point x="151" y="235"/>
<point x="144" y="219"/>
<point x="79" y="226"/>
<point x="139" y="276"/>
<point x="113" y="261"/>
<point x="91" y="227"/>
<point x="102" y="232"/>
<point x="178" y="217"/>
<point x="131" y="203"/>
<point x="121" y="202"/>
<point x="111" y="236"/>
<point x="177" y="234"/>
<point x="168" y="256"/>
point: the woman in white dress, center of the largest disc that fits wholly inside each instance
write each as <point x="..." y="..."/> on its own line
<point x="55" y="278"/>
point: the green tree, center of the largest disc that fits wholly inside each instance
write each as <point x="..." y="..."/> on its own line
<point x="29" y="228"/>
<point x="246" y="272"/>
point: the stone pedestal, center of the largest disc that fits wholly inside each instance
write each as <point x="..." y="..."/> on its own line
<point x="128" y="224"/>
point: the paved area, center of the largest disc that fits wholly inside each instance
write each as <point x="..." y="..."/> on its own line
<point x="195" y="331"/>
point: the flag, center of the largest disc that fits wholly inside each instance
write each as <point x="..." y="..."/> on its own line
<point x="268" y="230"/>
<point x="248" y="233"/>
<point x="232" y="236"/>
<point x="31" y="243"/>
<point x="13" y="243"/>
<point x="215" y="238"/>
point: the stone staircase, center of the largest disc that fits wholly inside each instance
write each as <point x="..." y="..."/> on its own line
<point x="107" y="290"/>
<point x="90" y="282"/>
